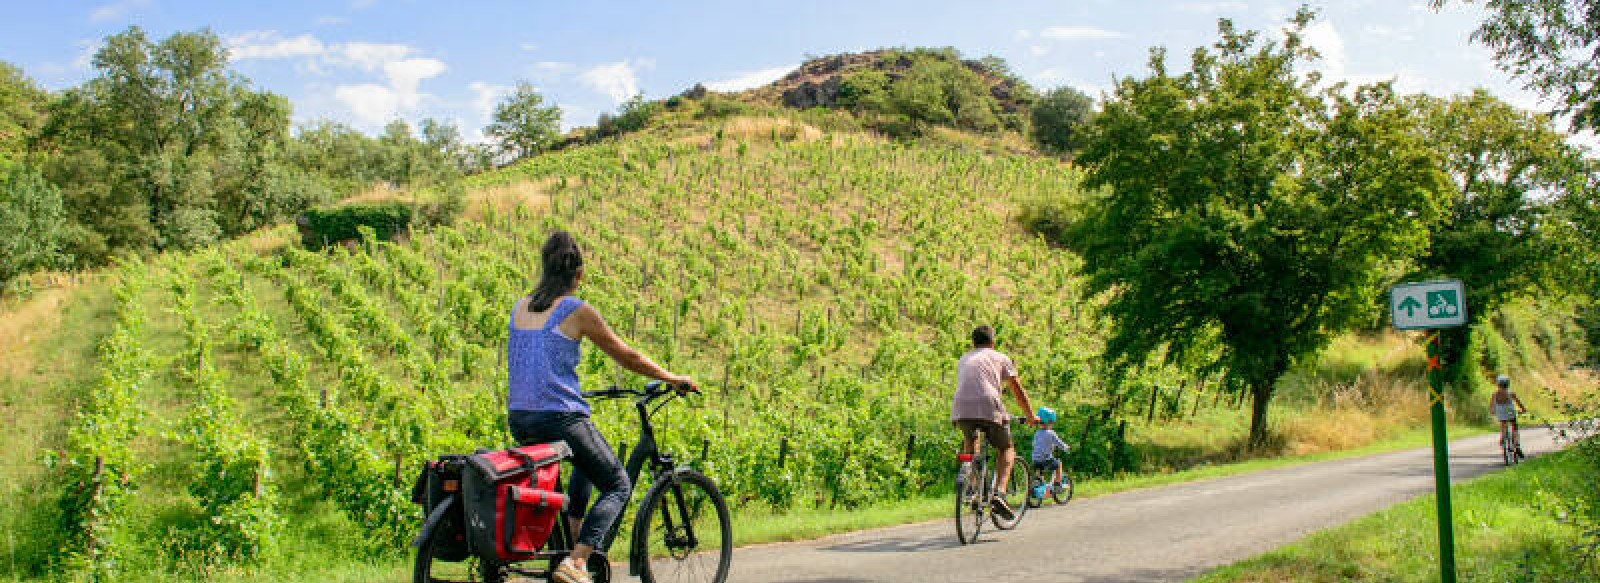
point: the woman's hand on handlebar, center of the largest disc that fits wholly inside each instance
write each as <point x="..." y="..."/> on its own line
<point x="682" y="383"/>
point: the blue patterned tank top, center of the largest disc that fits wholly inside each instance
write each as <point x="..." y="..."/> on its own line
<point x="543" y="365"/>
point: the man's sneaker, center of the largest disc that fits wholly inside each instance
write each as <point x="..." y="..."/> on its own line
<point x="1519" y="453"/>
<point x="1000" y="507"/>
<point x="567" y="572"/>
<point x="1039" y="491"/>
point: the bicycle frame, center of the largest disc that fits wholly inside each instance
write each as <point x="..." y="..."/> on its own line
<point x="646" y="450"/>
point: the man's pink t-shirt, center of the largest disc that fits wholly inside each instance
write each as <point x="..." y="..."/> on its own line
<point x="979" y="376"/>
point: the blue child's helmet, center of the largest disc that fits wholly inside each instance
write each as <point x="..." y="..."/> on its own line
<point x="1047" y="415"/>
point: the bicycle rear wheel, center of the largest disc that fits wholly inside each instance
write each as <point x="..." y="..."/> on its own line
<point x="970" y="501"/>
<point x="1015" y="495"/>
<point x="683" y="531"/>
<point x="1507" y="452"/>
<point x="430" y="569"/>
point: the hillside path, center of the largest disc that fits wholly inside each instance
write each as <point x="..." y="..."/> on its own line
<point x="1169" y="533"/>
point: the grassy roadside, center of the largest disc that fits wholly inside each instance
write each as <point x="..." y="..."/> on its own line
<point x="1506" y="530"/>
<point x="303" y="563"/>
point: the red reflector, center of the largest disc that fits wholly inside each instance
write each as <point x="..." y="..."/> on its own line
<point x="966" y="457"/>
<point x="452" y="485"/>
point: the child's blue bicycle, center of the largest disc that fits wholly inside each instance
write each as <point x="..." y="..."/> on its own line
<point x="1040" y="486"/>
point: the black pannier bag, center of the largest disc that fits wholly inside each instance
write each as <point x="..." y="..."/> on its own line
<point x="439" y="480"/>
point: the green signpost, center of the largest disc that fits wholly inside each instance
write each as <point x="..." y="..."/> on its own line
<point x="1430" y="306"/>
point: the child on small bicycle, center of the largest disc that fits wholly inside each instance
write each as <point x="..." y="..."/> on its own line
<point x="1045" y="444"/>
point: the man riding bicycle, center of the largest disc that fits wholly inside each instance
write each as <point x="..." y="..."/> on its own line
<point x="1501" y="404"/>
<point x="977" y="406"/>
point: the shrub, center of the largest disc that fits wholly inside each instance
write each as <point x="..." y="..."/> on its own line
<point x="717" y="106"/>
<point x="320" y="227"/>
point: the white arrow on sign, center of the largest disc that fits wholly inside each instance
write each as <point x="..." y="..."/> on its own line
<point x="1429" y="304"/>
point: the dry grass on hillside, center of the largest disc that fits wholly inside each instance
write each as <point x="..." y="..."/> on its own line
<point x="26" y="321"/>
<point x="533" y="195"/>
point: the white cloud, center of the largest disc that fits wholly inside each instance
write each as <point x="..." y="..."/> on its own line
<point x="1078" y="33"/>
<point x="619" y="80"/>
<point x="116" y="10"/>
<point x="485" y="95"/>
<point x="1024" y="34"/>
<point x="552" y="68"/>
<point x="86" y="51"/>
<point x="1212" y="7"/>
<point x="376" y="104"/>
<point x="1387" y="32"/>
<point x="1037" y="50"/>
<point x="330" y="20"/>
<point x="401" y="67"/>
<point x="266" y="44"/>
<point x="371" y="56"/>
<point x="1326" y="40"/>
<point x="751" y="79"/>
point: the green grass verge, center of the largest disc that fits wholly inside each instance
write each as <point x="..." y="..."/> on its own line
<point x="1506" y="530"/>
<point x="301" y="562"/>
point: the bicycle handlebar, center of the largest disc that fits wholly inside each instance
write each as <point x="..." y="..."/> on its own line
<point x="651" y="389"/>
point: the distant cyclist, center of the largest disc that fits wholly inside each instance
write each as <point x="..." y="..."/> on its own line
<point x="1045" y="445"/>
<point x="979" y="376"/>
<point x="546" y="403"/>
<point x="1505" y="404"/>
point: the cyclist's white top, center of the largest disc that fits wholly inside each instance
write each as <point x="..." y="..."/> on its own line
<point x="1505" y="411"/>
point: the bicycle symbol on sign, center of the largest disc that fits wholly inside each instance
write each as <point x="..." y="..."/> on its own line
<point x="1443" y="303"/>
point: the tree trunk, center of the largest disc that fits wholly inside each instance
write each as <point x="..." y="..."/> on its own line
<point x="1260" y="396"/>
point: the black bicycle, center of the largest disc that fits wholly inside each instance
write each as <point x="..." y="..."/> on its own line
<point x="975" y="490"/>
<point x="681" y="532"/>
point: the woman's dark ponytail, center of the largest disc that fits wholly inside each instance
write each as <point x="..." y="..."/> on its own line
<point x="562" y="260"/>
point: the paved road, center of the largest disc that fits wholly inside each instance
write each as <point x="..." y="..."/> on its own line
<point x="1170" y="533"/>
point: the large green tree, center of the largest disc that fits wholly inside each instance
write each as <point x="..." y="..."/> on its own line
<point x="167" y="148"/>
<point x="1059" y="117"/>
<point x="1510" y="171"/>
<point x="522" y="125"/>
<point x="1249" y="207"/>
<point x="32" y="223"/>
<point x="1553" y="46"/>
<point x="22" y="108"/>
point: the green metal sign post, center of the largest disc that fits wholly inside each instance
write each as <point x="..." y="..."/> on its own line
<point x="1430" y="306"/>
<point x="1441" y="464"/>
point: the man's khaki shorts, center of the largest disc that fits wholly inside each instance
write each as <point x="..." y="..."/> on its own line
<point x="998" y="434"/>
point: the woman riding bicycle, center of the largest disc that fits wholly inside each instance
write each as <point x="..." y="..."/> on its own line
<point x="1505" y="404"/>
<point x="546" y="403"/>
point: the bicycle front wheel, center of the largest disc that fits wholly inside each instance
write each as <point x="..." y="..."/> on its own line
<point x="683" y="533"/>
<point x="1063" y="494"/>
<point x="1015" y="495"/>
<point x="970" y="503"/>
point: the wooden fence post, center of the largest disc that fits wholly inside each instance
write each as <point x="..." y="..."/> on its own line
<point x="911" y="444"/>
<point x="1155" y="391"/>
<point x="783" y="451"/>
<point x="1116" y="446"/>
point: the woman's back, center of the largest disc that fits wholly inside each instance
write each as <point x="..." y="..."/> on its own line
<point x="542" y="358"/>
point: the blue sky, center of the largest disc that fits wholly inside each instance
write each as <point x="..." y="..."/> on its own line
<point x="365" y="62"/>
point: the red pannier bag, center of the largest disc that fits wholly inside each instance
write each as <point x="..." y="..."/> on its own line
<point x="511" y="499"/>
